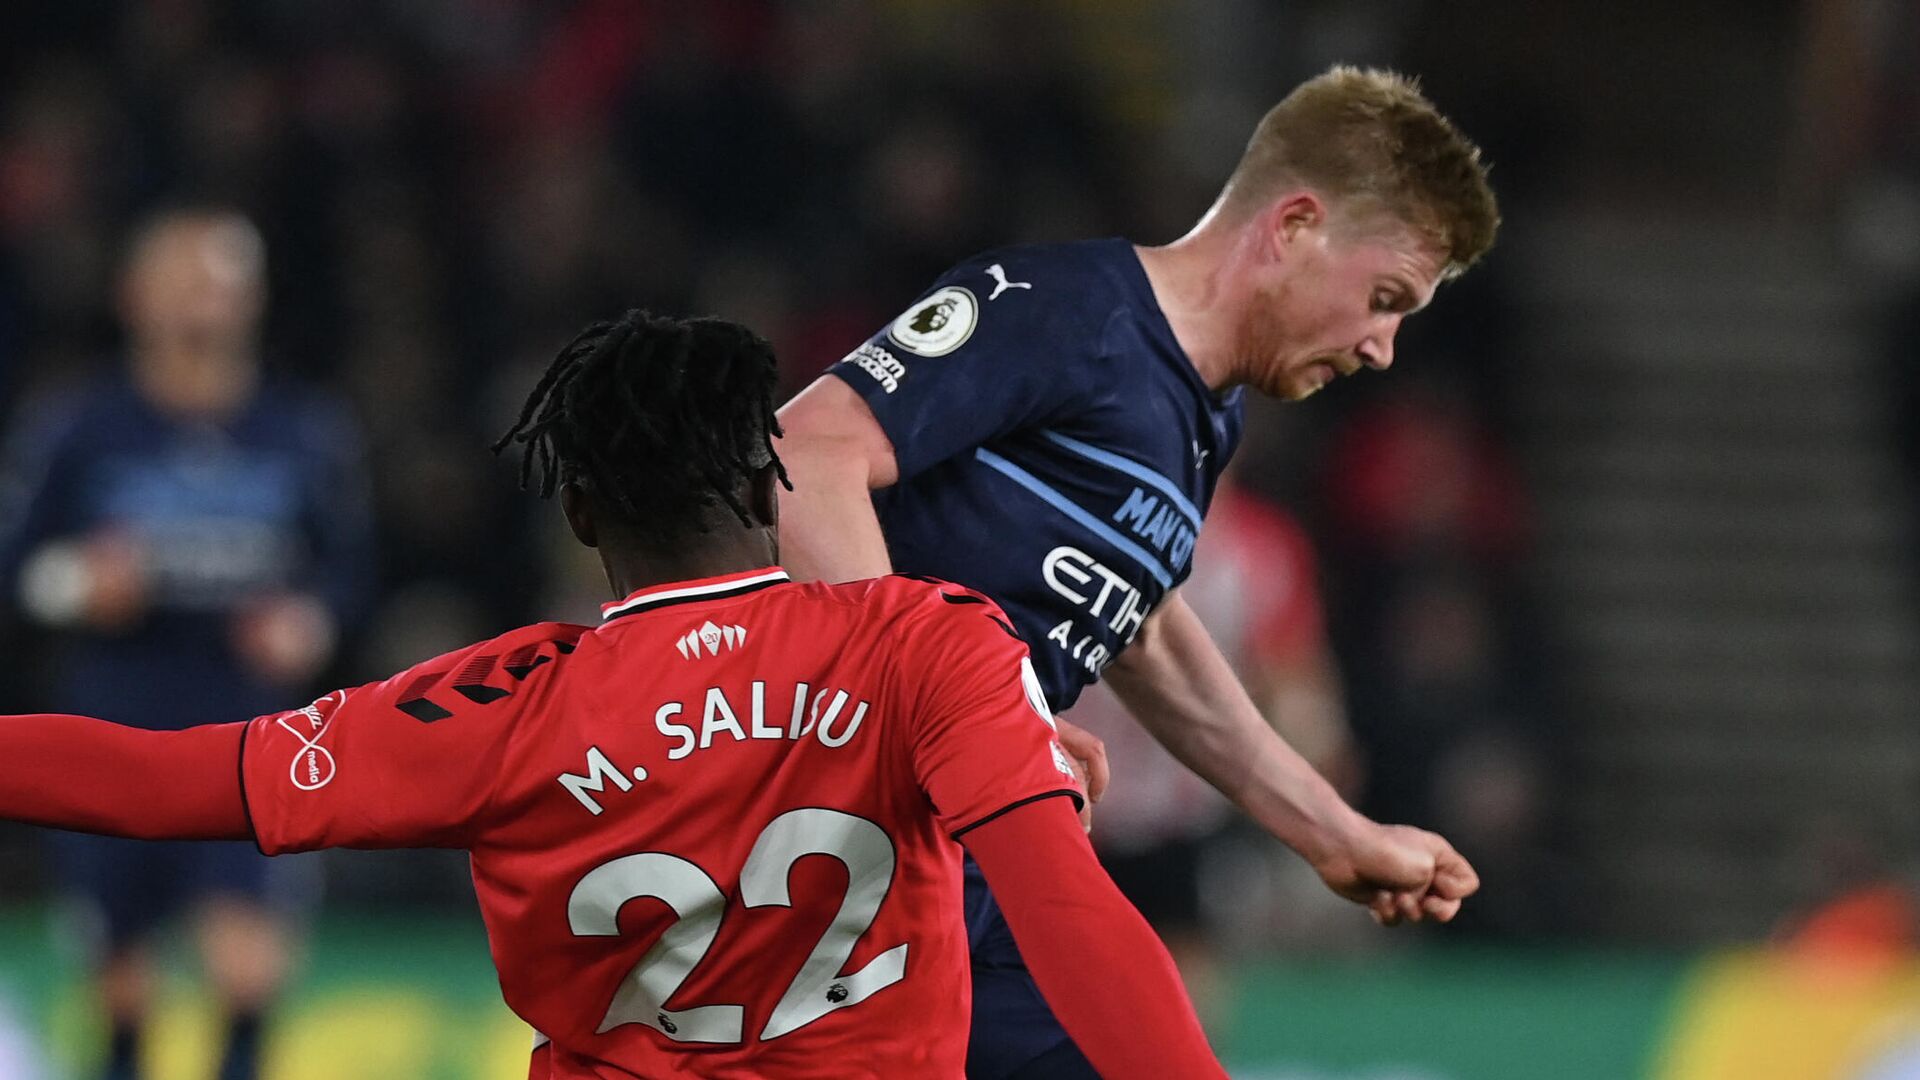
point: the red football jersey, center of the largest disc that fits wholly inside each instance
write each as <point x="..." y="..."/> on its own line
<point x="713" y="836"/>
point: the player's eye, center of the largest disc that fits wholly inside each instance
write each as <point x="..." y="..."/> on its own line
<point x="1391" y="300"/>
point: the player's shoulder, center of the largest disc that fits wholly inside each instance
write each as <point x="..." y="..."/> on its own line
<point x="524" y="649"/>
<point x="915" y="607"/>
<point x="514" y="655"/>
<point x="1076" y="276"/>
<point x="1047" y="299"/>
<point x="904" y="592"/>
<point x="563" y="637"/>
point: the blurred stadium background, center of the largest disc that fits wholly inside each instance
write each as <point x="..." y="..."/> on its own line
<point x="1611" y="579"/>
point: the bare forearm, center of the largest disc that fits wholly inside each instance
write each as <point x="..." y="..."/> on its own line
<point x="1181" y="689"/>
<point x="75" y="772"/>
<point x="828" y="529"/>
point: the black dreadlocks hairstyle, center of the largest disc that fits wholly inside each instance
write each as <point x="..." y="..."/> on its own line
<point x="659" y="417"/>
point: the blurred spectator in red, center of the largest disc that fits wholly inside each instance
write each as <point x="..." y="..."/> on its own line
<point x="1419" y="475"/>
<point x="1426" y="523"/>
<point x="1862" y="914"/>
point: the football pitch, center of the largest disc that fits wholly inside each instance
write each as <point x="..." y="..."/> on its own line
<point x="415" y="999"/>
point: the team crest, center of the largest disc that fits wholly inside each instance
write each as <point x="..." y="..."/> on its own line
<point x="939" y="324"/>
<point x="707" y="637"/>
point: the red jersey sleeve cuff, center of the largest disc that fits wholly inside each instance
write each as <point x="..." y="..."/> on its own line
<point x="1079" y="802"/>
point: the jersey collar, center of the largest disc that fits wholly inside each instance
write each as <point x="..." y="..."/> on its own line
<point x="669" y="593"/>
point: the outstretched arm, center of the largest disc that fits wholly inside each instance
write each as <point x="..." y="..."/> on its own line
<point x="75" y="772"/>
<point x="1102" y="970"/>
<point x="1181" y="689"/>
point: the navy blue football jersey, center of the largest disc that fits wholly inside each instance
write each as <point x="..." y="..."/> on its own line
<point x="1057" y="449"/>
<point x="273" y="499"/>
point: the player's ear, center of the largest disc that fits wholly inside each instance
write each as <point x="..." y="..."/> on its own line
<point x="578" y="510"/>
<point x="1294" y="217"/>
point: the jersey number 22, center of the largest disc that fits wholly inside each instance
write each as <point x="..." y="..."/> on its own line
<point x="593" y="910"/>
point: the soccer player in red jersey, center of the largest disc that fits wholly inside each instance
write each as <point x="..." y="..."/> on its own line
<point x="713" y="836"/>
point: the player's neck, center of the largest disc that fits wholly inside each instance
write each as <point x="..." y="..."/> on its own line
<point x="1186" y="277"/>
<point x="210" y="388"/>
<point x="629" y="569"/>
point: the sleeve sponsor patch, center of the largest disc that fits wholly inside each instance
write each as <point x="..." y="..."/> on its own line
<point x="938" y="324"/>
<point x="885" y="368"/>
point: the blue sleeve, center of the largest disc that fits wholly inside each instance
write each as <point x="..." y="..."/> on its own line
<point x="338" y="516"/>
<point x="39" y="480"/>
<point x="971" y="360"/>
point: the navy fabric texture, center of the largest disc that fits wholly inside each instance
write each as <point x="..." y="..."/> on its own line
<point x="1057" y="449"/>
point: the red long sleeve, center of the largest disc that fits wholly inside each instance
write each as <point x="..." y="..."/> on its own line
<point x="75" y="772"/>
<point x="1103" y="971"/>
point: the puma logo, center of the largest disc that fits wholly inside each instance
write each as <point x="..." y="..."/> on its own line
<point x="999" y="274"/>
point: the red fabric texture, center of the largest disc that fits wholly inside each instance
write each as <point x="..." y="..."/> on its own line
<point x="729" y="768"/>
<point x="75" y="772"/>
<point x="1107" y="977"/>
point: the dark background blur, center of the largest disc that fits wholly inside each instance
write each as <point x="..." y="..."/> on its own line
<point x="1618" y="559"/>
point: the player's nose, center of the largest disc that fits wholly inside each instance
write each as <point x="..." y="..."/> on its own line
<point x="1377" y="353"/>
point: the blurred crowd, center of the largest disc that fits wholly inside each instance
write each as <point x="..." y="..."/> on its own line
<point x="448" y="189"/>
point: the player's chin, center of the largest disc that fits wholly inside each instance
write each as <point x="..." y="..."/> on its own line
<point x="1299" y="387"/>
<point x="1304" y="381"/>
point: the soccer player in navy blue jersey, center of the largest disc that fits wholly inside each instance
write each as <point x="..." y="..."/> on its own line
<point x="190" y="534"/>
<point x="1047" y="425"/>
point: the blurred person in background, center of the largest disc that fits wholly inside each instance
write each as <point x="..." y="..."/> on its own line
<point x="1047" y="424"/>
<point x="193" y="534"/>
<point x="1164" y="833"/>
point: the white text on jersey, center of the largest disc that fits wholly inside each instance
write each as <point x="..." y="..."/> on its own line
<point x="1072" y="574"/>
<point x="1089" y="584"/>
<point x="828" y="714"/>
<point x="886" y="369"/>
<point x="599" y="771"/>
<point x="822" y="713"/>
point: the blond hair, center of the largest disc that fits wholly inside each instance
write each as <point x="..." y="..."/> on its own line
<point x="1369" y="142"/>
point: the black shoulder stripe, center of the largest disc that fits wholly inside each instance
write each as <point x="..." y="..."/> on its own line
<point x="1008" y="627"/>
<point x="521" y="671"/>
<point x="962" y="599"/>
